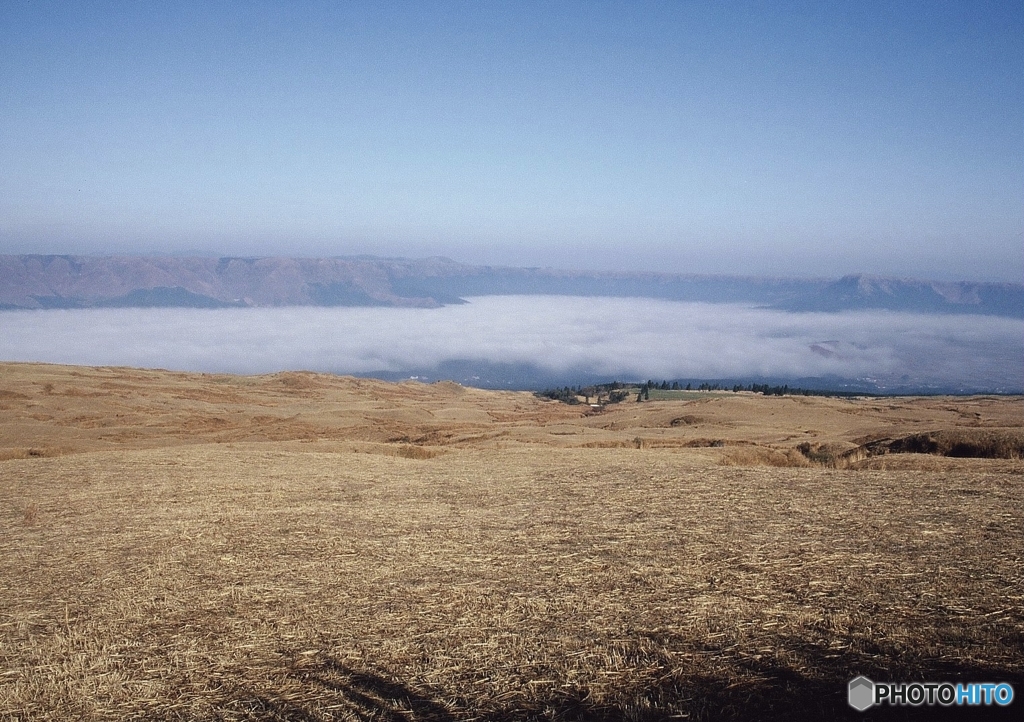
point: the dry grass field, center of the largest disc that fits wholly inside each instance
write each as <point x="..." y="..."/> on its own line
<point x="307" y="547"/>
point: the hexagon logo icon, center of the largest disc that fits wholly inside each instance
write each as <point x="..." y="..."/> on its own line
<point x="861" y="693"/>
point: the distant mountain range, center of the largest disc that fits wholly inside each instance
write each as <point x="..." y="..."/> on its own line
<point x="41" y="282"/>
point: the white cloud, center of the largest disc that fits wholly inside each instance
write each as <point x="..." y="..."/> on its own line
<point x="623" y="337"/>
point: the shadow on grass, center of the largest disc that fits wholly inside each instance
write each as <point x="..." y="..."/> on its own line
<point x="331" y="690"/>
<point x="759" y="690"/>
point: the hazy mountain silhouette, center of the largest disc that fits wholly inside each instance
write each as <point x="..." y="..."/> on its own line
<point x="36" y="281"/>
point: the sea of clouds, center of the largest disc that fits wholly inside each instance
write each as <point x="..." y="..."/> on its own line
<point x="626" y="338"/>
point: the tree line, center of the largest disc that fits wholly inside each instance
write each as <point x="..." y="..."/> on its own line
<point x="617" y="391"/>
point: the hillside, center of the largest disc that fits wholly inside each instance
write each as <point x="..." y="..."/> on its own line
<point x="35" y="281"/>
<point x="48" y="410"/>
<point x="311" y="547"/>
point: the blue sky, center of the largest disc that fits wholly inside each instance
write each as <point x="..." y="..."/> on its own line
<point x="755" y="138"/>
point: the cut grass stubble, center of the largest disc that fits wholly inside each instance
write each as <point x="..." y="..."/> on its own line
<point x="250" y="582"/>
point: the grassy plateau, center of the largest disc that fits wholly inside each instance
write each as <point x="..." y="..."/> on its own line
<point x="308" y="547"/>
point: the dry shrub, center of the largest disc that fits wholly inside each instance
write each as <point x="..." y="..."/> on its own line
<point x="7" y="454"/>
<point x="704" y="443"/>
<point x="830" y="455"/>
<point x="608" y="444"/>
<point x="687" y="420"/>
<point x="29" y="453"/>
<point x="410" y="451"/>
<point x="406" y="451"/>
<point x="903" y="462"/>
<point x="763" y="456"/>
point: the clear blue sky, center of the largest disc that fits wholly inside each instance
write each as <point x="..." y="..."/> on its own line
<point x="779" y="138"/>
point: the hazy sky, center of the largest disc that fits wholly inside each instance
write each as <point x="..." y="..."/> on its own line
<point x="772" y="137"/>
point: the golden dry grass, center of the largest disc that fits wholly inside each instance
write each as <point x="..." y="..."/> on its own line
<point x="345" y="549"/>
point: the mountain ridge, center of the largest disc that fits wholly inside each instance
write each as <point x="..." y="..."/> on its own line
<point x="69" y="281"/>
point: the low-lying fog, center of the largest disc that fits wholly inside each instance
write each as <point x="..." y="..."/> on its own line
<point x="624" y="338"/>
